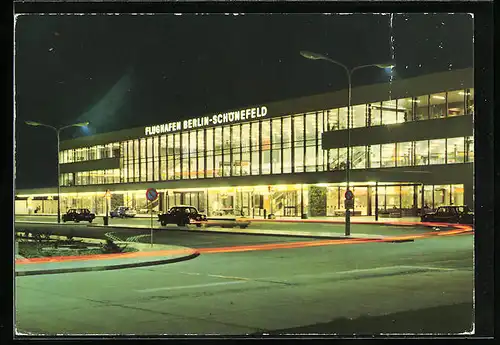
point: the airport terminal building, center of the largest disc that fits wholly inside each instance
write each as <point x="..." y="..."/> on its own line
<point x="411" y="145"/>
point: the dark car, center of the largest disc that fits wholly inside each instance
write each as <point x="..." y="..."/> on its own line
<point x="122" y="212"/>
<point x="78" y="214"/>
<point x="182" y="215"/>
<point x="450" y="214"/>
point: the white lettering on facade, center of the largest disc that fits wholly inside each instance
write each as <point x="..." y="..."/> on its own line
<point x="229" y="117"/>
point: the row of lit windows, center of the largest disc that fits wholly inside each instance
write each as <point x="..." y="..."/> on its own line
<point x="90" y="177"/>
<point x="280" y="131"/>
<point x="410" y="153"/>
<point x="285" y="160"/>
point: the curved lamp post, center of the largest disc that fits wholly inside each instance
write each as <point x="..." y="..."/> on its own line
<point x="349" y="72"/>
<point x="58" y="131"/>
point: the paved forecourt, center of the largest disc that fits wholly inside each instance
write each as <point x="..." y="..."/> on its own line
<point x="252" y="292"/>
<point x="147" y="255"/>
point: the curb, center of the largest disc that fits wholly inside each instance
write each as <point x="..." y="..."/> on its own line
<point x="109" y="267"/>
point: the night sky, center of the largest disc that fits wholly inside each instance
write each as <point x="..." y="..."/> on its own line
<point x="123" y="71"/>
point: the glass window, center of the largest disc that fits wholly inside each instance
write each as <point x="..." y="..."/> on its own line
<point x="457" y="194"/>
<point x="437" y="151"/>
<point x="78" y="178"/>
<point x="245" y="162"/>
<point x="287" y="131"/>
<point x="405" y="106"/>
<point x="422" y="152"/>
<point x="310" y="159"/>
<point x="276" y="134"/>
<point x="404" y="154"/>
<point x="209" y="141"/>
<point x="185" y="166"/>
<point x="299" y="159"/>
<point x="358" y="116"/>
<point x="287" y="160"/>
<point x="130" y="161"/>
<point x="388" y="155"/>
<point x="266" y="147"/>
<point x="438" y="105"/>
<point x="375" y="114"/>
<point x="358" y="157"/>
<point x="185" y="143"/>
<point x="245" y="135"/>
<point x="201" y="153"/>
<point x="163" y="159"/>
<point x="298" y="128"/>
<point x="177" y="156"/>
<point x="421" y="107"/>
<point x="407" y="197"/>
<point x="469" y="97"/>
<point x="192" y="143"/>
<point x="143" y="159"/>
<point x="116" y="150"/>
<point x="441" y="195"/>
<point x="236" y="145"/>
<point x="311" y="128"/>
<point x="254" y="137"/>
<point x="94" y="153"/>
<point x="389" y="112"/>
<point x="226" y="138"/>
<point x="343" y="118"/>
<point x="333" y="157"/>
<point x="333" y="119"/>
<point x="136" y="161"/>
<point x="374" y="156"/>
<point x="266" y="136"/>
<point x="455" y="150"/>
<point x="170" y="157"/>
<point x="456" y="103"/>
<point x="469" y="149"/>
<point x="235" y="137"/>
<point x="149" y="148"/>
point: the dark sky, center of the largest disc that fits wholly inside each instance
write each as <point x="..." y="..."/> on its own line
<point x="122" y="71"/>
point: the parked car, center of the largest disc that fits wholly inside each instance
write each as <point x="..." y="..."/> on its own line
<point x="181" y="215"/>
<point x="450" y="214"/>
<point x="77" y="215"/>
<point x="123" y="212"/>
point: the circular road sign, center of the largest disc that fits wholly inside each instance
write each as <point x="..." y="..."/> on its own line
<point x="151" y="194"/>
<point x="349" y="195"/>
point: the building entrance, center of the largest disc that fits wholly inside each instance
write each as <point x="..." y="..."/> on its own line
<point x="196" y="199"/>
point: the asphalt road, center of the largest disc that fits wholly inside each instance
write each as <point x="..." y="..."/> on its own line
<point x="360" y="288"/>
<point x="378" y="229"/>
<point x="169" y="236"/>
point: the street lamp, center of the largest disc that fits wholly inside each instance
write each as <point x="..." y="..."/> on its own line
<point x="349" y="72"/>
<point x="57" y="130"/>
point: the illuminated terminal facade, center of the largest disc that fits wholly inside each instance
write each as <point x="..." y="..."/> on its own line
<point x="412" y="146"/>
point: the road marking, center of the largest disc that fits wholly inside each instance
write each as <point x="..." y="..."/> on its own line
<point x="189" y="286"/>
<point x="432" y="268"/>
<point x="215" y="276"/>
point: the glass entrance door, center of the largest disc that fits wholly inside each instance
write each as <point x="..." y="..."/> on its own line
<point x="196" y="199"/>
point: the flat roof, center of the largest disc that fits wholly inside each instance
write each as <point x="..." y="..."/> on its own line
<point x="400" y="88"/>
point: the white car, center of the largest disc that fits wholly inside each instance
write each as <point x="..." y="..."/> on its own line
<point x="123" y="212"/>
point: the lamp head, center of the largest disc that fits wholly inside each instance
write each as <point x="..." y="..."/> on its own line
<point x="32" y="123"/>
<point x="312" y="56"/>
<point x="81" y="124"/>
<point x="386" y="65"/>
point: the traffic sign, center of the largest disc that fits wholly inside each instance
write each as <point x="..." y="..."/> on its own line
<point x="349" y="195"/>
<point x="349" y="204"/>
<point x="151" y="194"/>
